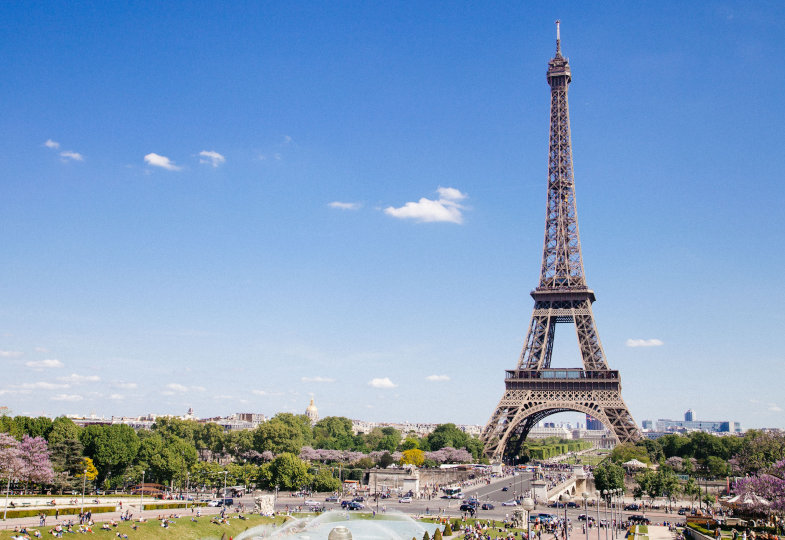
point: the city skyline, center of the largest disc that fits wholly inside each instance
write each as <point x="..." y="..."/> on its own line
<point x="235" y="209"/>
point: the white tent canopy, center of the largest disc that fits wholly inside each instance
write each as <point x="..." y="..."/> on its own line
<point x="635" y="464"/>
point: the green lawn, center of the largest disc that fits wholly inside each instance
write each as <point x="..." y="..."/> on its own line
<point x="183" y="528"/>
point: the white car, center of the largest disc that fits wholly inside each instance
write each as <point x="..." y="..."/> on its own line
<point x="405" y="500"/>
<point x="310" y="502"/>
<point x="511" y="502"/>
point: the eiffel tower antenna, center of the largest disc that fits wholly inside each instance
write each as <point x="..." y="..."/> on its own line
<point x="534" y="390"/>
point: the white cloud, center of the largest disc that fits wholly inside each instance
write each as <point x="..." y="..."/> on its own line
<point x="177" y="387"/>
<point x="446" y="208"/>
<point x="198" y="389"/>
<point x="79" y="379"/>
<point x="210" y="157"/>
<point x="382" y="383"/>
<point x="48" y="363"/>
<point x="68" y="154"/>
<point x="160" y="161"/>
<point x="437" y="378"/>
<point x="345" y="205"/>
<point x="126" y="385"/>
<point x="117" y="397"/>
<point x="41" y="349"/>
<point x="52" y="144"/>
<point x="67" y="397"/>
<point x="317" y="379"/>
<point x="773" y="407"/>
<point x="10" y="354"/>
<point x="266" y="393"/>
<point x="644" y="342"/>
<point x="41" y="385"/>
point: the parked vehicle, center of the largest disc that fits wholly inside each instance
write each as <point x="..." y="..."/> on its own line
<point x="487" y="506"/>
<point x="355" y="506"/>
<point x="332" y="499"/>
<point x="638" y="519"/>
<point x="632" y="506"/>
<point x="405" y="500"/>
<point x="511" y="502"/>
<point x="466" y="507"/>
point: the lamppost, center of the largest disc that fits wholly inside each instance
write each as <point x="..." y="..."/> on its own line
<point x="528" y="505"/>
<point x="605" y="493"/>
<point x="7" y="491"/>
<point x="586" y="511"/>
<point x="84" y="482"/>
<point x="598" y="514"/>
<point x="565" y="498"/>
<point x="141" y="494"/>
<point x="224" y="495"/>
<point x="615" y="511"/>
<point x="275" y="501"/>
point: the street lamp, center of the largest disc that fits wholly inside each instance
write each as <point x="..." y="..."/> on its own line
<point x="187" y="487"/>
<point x="598" y="514"/>
<point x="607" y="524"/>
<point x="7" y="491"/>
<point x="84" y="482"/>
<point x="224" y="496"/>
<point x="586" y="511"/>
<point x="141" y="494"/>
<point x="528" y="505"/>
<point x="565" y="498"/>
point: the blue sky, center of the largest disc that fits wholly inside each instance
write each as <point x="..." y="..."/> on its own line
<point x="234" y="206"/>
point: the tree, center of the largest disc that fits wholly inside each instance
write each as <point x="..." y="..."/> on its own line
<point x="415" y="457"/>
<point x="35" y="456"/>
<point x="88" y="469"/>
<point x="289" y="472"/>
<point x="409" y="443"/>
<point x="769" y="484"/>
<point x="623" y="453"/>
<point x="716" y="467"/>
<point x="447" y="435"/>
<point x="11" y="463"/>
<point x="112" y="448"/>
<point x="278" y="437"/>
<point x="67" y="459"/>
<point x="334" y="432"/>
<point x="608" y="475"/>
<point x="63" y="429"/>
<point x="325" y="481"/>
<point x="386" y="460"/>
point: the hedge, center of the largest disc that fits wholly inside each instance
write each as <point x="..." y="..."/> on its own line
<point x="49" y="511"/>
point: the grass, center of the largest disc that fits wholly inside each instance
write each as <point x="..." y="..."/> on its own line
<point x="183" y="528"/>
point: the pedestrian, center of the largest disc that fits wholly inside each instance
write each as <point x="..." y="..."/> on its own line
<point x="57" y="513"/>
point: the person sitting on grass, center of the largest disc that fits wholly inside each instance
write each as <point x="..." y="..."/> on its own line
<point x="118" y="535"/>
<point x="105" y="527"/>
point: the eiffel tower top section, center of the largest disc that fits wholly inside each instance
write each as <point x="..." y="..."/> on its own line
<point x="562" y="262"/>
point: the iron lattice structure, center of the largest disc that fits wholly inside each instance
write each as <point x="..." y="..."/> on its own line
<point x="534" y="390"/>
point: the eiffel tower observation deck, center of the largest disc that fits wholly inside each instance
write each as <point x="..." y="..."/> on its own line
<point x="535" y="390"/>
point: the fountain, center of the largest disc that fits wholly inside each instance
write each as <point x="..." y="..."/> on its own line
<point x="344" y="525"/>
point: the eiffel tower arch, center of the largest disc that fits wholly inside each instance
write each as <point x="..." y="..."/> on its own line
<point x="534" y="390"/>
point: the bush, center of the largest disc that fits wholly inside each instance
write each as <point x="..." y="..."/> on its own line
<point x="437" y="534"/>
<point x="447" y="529"/>
<point x="426" y="536"/>
<point x="163" y="506"/>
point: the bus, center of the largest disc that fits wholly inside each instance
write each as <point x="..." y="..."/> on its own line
<point x="452" y="492"/>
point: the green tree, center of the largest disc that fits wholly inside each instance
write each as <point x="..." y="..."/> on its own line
<point x="627" y="451"/>
<point x="211" y="436"/>
<point x="716" y="467"/>
<point x="289" y="472"/>
<point x="67" y="460"/>
<point x="170" y="426"/>
<point x="334" y="432"/>
<point x="409" y="443"/>
<point x="278" y="437"/>
<point x="386" y="460"/>
<point x="325" y="481"/>
<point x="447" y="435"/>
<point x="63" y="429"/>
<point x="608" y="475"/>
<point x="112" y="447"/>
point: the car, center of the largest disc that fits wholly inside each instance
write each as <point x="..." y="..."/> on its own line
<point x="487" y="506"/>
<point x="358" y="499"/>
<point x="405" y="500"/>
<point x="332" y="499"/>
<point x="555" y="504"/>
<point x="466" y="507"/>
<point x="573" y="504"/>
<point x="638" y="519"/>
<point x="584" y="517"/>
<point x="632" y="506"/>
<point x="355" y="506"/>
<point x="683" y="511"/>
<point x="344" y="504"/>
<point x="511" y="502"/>
<point x="310" y="502"/>
<point x="505" y="488"/>
<point x="545" y="518"/>
<point x="473" y="501"/>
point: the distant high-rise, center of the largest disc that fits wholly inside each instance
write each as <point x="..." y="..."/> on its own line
<point x="689" y="416"/>
<point x="593" y="424"/>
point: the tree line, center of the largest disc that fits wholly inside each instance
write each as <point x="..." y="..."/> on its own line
<point x="286" y="451"/>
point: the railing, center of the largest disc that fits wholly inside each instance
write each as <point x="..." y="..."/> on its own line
<point x="559" y="373"/>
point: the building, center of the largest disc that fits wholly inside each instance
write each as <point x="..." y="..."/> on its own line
<point x="312" y="413"/>
<point x="593" y="424"/>
<point x="647" y="425"/>
<point x="689" y="416"/>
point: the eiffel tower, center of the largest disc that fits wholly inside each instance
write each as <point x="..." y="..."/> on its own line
<point x="534" y="390"/>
